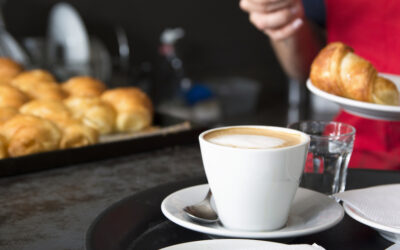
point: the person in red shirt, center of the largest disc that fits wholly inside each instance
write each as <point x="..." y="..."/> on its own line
<point x="372" y="28"/>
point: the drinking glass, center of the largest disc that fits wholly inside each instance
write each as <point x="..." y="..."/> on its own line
<point x="328" y="156"/>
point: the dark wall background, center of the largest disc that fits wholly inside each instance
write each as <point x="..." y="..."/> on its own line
<point x="219" y="39"/>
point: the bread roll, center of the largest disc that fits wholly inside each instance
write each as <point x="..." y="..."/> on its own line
<point x="8" y="70"/>
<point x="133" y="106"/>
<point x="93" y="112"/>
<point x="11" y="97"/>
<point x="28" y="134"/>
<point x="337" y="70"/>
<point x="6" y="113"/>
<point x="74" y="133"/>
<point x="84" y="86"/>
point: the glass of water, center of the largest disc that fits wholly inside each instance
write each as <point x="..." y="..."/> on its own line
<point x="329" y="153"/>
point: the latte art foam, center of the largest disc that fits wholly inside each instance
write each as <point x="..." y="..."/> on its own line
<point x="248" y="141"/>
<point x="252" y="138"/>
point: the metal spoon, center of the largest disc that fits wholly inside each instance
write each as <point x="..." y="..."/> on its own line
<point x="202" y="211"/>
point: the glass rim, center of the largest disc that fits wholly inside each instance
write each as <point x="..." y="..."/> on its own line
<point x="353" y="129"/>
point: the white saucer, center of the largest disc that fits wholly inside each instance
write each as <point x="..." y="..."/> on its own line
<point x="235" y="244"/>
<point x="67" y="31"/>
<point x="364" y="109"/>
<point x="311" y="212"/>
<point x="390" y="233"/>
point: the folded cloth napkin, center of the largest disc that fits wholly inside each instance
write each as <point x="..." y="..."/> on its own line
<point x="380" y="204"/>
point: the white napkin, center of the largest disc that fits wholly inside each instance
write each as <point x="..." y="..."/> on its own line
<point x="394" y="247"/>
<point x="280" y="246"/>
<point x="380" y="204"/>
<point x="237" y="244"/>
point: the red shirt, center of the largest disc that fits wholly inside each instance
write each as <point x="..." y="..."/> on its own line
<point x="372" y="28"/>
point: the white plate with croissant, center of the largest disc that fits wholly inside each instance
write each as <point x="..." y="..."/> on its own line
<point x="341" y="76"/>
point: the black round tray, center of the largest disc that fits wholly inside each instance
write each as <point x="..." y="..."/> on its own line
<point x="137" y="222"/>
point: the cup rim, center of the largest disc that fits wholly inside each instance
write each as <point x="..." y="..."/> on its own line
<point x="353" y="129"/>
<point x="306" y="138"/>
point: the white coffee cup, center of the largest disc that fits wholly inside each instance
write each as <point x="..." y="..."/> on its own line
<point x="253" y="188"/>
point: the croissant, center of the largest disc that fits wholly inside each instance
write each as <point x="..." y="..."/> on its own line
<point x="11" y="97"/>
<point x="339" y="71"/>
<point x="92" y="112"/>
<point x="39" y="84"/>
<point x="8" y="70"/>
<point x="84" y="86"/>
<point x="74" y="133"/>
<point x="6" y="113"/>
<point x="28" y="134"/>
<point x="36" y="75"/>
<point x="3" y="147"/>
<point x="48" y="109"/>
<point x="41" y="90"/>
<point x="133" y="106"/>
<point x="46" y="91"/>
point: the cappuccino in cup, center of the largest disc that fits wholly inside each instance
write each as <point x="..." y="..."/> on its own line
<point x="252" y="138"/>
<point x="253" y="173"/>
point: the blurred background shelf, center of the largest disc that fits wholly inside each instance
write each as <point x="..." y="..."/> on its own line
<point x="219" y="47"/>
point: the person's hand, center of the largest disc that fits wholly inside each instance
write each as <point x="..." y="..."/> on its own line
<point x="279" y="19"/>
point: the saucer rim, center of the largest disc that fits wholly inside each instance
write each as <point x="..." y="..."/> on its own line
<point x="275" y="234"/>
<point x="214" y="243"/>
<point x="351" y="211"/>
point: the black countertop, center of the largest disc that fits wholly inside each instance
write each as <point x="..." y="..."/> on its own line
<point x="54" y="208"/>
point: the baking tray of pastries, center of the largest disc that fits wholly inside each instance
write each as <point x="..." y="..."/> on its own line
<point x="168" y="131"/>
<point x="46" y="124"/>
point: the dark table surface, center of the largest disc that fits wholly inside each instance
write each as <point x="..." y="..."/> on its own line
<point x="53" y="209"/>
<point x="137" y="223"/>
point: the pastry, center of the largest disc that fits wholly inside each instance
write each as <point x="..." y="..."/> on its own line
<point x="92" y="112"/>
<point x="46" y="91"/>
<point x="339" y="71"/>
<point x="385" y="92"/>
<point x="11" y="97"/>
<point x="39" y="84"/>
<point x="133" y="106"/>
<point x="3" y="147"/>
<point x="41" y="90"/>
<point x="8" y="70"/>
<point x="74" y="133"/>
<point x="28" y="134"/>
<point x="48" y="109"/>
<point x="6" y="113"/>
<point x="36" y="75"/>
<point x="84" y="86"/>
